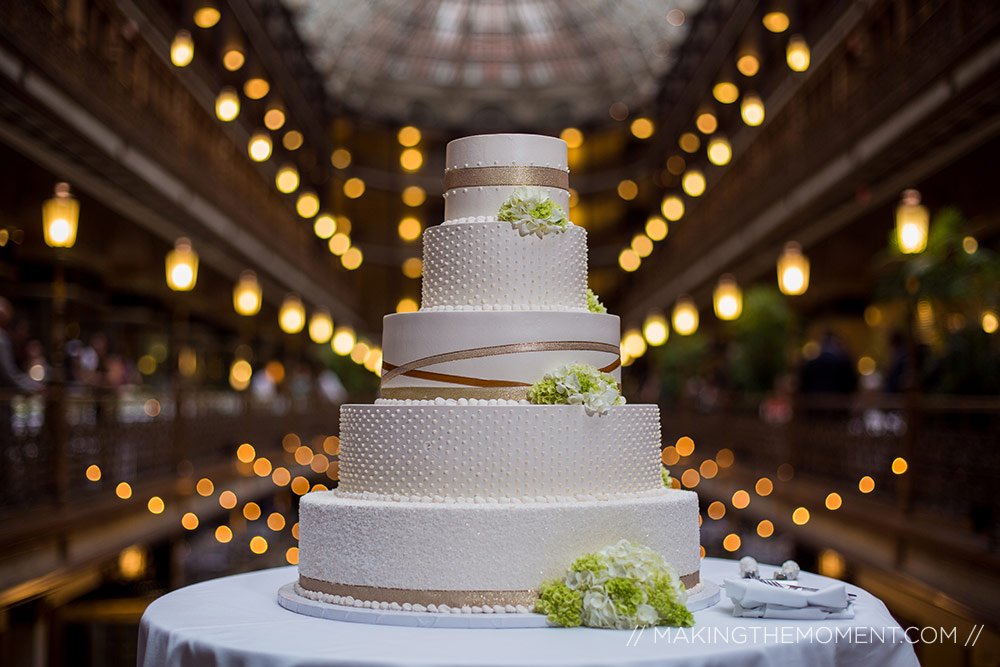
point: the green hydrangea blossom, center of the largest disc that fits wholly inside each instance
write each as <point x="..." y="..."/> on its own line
<point x="663" y="597"/>
<point x="625" y="593"/>
<point x="587" y="563"/>
<point x="594" y="304"/>
<point x="644" y="591"/>
<point x="531" y="211"/>
<point x="560" y="604"/>
<point x="577" y="384"/>
<point x="668" y="481"/>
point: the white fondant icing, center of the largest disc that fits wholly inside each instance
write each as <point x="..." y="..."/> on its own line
<point x="463" y="203"/>
<point x="485" y="452"/>
<point x="482" y="546"/>
<point x="407" y="337"/>
<point x="506" y="149"/>
<point x="475" y="265"/>
<point x="500" y="150"/>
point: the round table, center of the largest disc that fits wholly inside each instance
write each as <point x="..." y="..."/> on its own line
<point x="237" y="621"/>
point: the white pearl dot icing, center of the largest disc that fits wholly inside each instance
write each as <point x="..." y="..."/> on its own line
<point x="475" y="265"/>
<point x="485" y="452"/>
<point x="482" y="546"/>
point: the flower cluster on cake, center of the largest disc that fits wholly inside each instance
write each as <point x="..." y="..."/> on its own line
<point x="501" y="451"/>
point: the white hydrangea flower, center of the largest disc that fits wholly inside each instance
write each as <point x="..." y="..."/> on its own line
<point x="578" y="384"/>
<point x="531" y="211"/>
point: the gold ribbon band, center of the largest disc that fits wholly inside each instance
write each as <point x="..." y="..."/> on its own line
<point x="426" y="597"/>
<point x="492" y="351"/>
<point x="509" y="175"/>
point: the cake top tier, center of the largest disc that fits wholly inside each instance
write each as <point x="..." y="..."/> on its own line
<point x="505" y="150"/>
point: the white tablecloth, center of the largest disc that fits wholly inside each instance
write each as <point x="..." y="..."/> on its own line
<point x="236" y="621"/>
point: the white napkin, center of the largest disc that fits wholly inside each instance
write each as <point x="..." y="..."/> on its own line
<point x="755" y="599"/>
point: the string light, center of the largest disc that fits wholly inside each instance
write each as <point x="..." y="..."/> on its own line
<point x="685" y="316"/>
<point x="727" y="298"/>
<point x="239" y="374"/>
<point x="748" y="64"/>
<point x="912" y="221"/>
<point x="642" y="245"/>
<point x="320" y="326"/>
<point x="672" y="208"/>
<point x="726" y="92"/>
<point x="411" y="159"/>
<point x="642" y="128"/>
<point x="414" y="196"/>
<point x="274" y="119"/>
<point x="287" y="179"/>
<point x="343" y="341"/>
<point x="793" y="270"/>
<point x="340" y="158"/>
<point x="206" y="16"/>
<point x="354" y="188"/>
<point x="352" y="259"/>
<point x="752" y="109"/>
<point x="182" y="49"/>
<point x="233" y="60"/>
<point x="60" y="218"/>
<point x="655" y="330"/>
<point x="292" y="140"/>
<point x="407" y="305"/>
<point x="689" y="142"/>
<point x="693" y="183"/>
<point x="720" y="152"/>
<point x="247" y="294"/>
<point x="629" y="260"/>
<point x="408" y="136"/>
<point x="227" y="105"/>
<point x="706" y="122"/>
<point x="325" y="226"/>
<point x="339" y="243"/>
<point x="797" y="54"/>
<point x="572" y="136"/>
<point x="634" y="343"/>
<point x="292" y="315"/>
<point x="256" y="88"/>
<point x="776" y="21"/>
<point x="409" y="229"/>
<point x="307" y="205"/>
<point x="656" y="228"/>
<point x="628" y="190"/>
<point x="182" y="266"/>
<point x="259" y="147"/>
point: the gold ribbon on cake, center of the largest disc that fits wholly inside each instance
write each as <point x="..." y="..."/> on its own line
<point x="525" y="598"/>
<point x="472" y="387"/>
<point x="508" y="175"/>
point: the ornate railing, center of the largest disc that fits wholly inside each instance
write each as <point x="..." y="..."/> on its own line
<point x="49" y="442"/>
<point x="950" y="446"/>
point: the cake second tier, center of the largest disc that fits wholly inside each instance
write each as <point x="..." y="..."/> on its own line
<point x="498" y="453"/>
<point x="490" y="266"/>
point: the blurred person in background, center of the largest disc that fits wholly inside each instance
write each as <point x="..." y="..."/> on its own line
<point x="11" y="376"/>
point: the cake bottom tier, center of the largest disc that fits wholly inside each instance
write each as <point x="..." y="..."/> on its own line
<point x="478" y="554"/>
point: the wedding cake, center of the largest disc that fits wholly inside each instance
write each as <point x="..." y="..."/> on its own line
<point x="499" y="450"/>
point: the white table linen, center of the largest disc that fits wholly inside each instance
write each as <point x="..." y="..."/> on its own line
<point x="237" y="622"/>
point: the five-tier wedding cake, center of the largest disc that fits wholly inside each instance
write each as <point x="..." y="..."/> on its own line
<point x="499" y="449"/>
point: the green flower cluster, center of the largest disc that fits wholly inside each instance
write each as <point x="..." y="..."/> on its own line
<point x="668" y="481"/>
<point x="577" y="384"/>
<point x="623" y="586"/>
<point x="594" y="304"/>
<point x="531" y="211"/>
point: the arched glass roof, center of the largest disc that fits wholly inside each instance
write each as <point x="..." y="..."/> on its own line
<point x="463" y="63"/>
